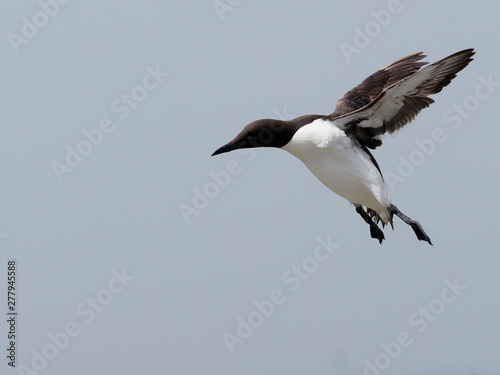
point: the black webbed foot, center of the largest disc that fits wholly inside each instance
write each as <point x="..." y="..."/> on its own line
<point x="415" y="225"/>
<point x="375" y="231"/>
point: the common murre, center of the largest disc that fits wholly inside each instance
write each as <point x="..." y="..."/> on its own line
<point x="335" y="147"/>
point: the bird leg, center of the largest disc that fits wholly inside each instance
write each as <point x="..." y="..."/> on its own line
<point x="415" y="225"/>
<point x="375" y="231"/>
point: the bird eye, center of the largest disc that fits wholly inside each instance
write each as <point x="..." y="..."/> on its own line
<point x="266" y="136"/>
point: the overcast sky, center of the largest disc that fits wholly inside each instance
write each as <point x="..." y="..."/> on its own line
<point x="137" y="253"/>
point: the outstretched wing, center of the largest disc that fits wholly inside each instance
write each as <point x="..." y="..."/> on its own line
<point x="373" y="85"/>
<point x="396" y="105"/>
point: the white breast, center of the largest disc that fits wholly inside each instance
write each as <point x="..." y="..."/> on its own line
<point x="340" y="165"/>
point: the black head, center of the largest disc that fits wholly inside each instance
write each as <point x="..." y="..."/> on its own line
<point x="266" y="133"/>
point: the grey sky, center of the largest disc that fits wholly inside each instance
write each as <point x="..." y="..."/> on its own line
<point x="111" y="111"/>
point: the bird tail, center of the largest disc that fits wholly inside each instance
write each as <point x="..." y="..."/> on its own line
<point x="384" y="217"/>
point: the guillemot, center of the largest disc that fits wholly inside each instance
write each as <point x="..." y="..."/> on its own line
<point x="335" y="147"/>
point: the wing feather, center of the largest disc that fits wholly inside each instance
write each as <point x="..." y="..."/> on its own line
<point x="398" y="104"/>
<point x="373" y="85"/>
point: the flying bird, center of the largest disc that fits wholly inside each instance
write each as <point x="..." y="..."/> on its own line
<point x="335" y="147"/>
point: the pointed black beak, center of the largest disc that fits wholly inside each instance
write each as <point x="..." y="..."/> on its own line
<point x="230" y="147"/>
<point x="226" y="148"/>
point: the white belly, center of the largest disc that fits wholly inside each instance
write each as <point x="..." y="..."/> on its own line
<point x="337" y="163"/>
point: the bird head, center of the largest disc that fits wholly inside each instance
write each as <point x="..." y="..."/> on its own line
<point x="260" y="133"/>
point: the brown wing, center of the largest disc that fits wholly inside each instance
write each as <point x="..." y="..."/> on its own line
<point x="401" y="102"/>
<point x="372" y="86"/>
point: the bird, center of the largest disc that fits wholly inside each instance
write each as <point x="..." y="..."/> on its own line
<point x="336" y="147"/>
